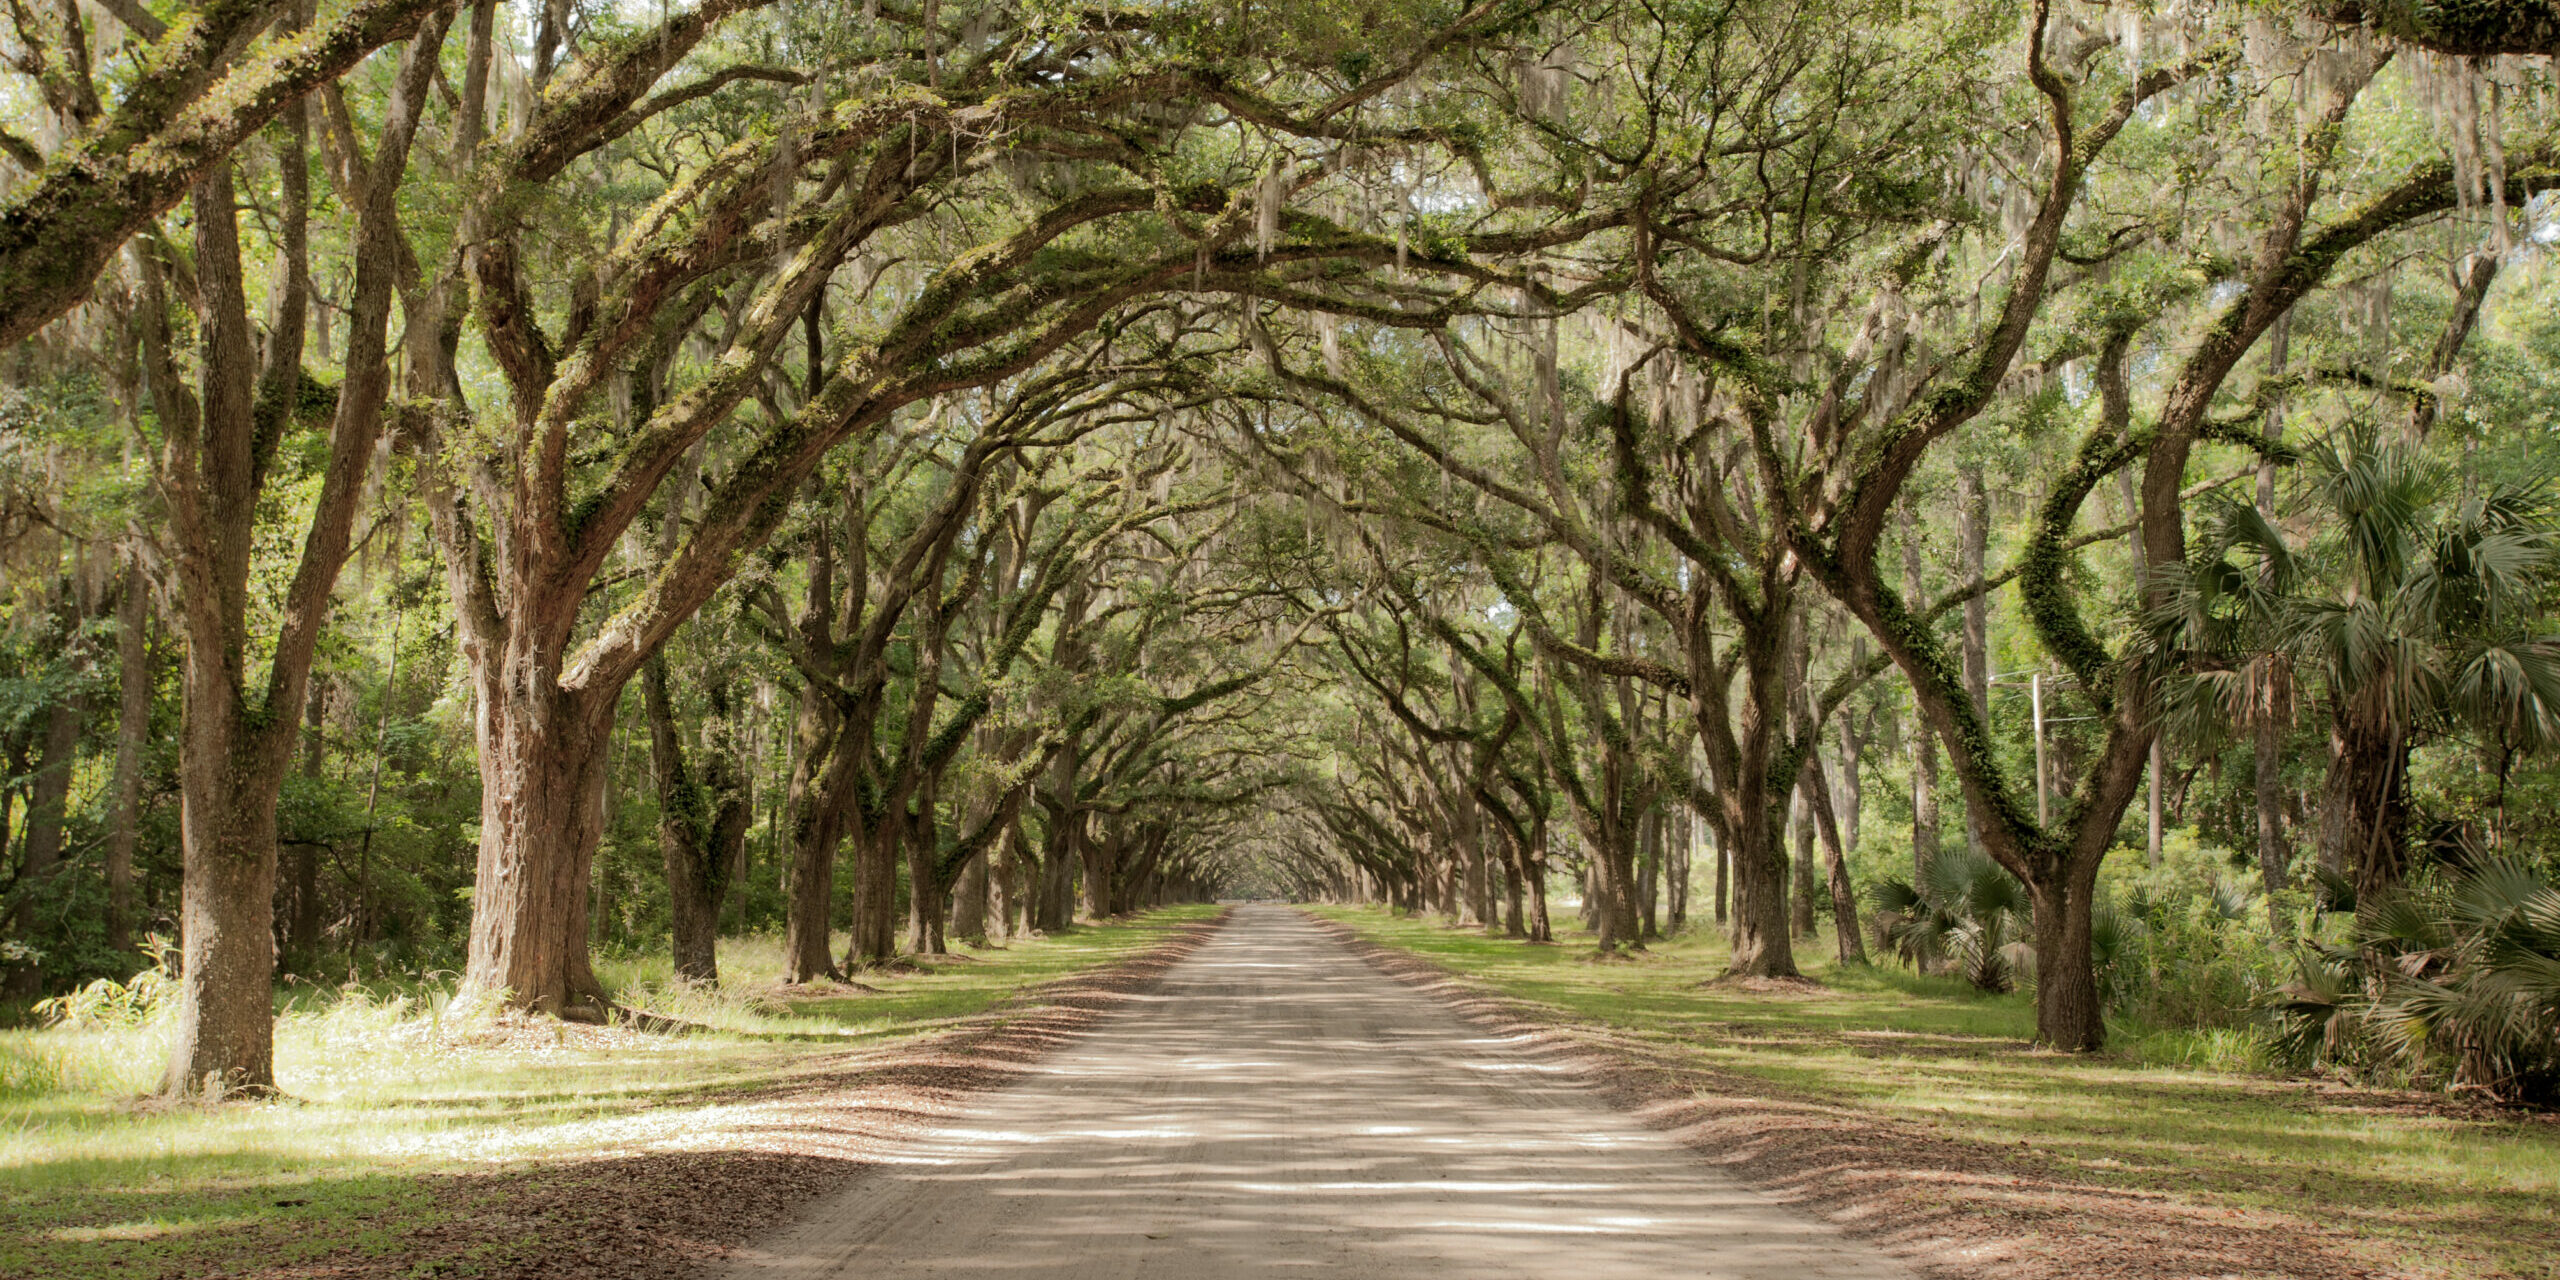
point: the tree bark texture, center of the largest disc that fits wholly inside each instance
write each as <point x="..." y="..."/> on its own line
<point x="543" y="772"/>
<point x="702" y="820"/>
<point x="2364" y="806"/>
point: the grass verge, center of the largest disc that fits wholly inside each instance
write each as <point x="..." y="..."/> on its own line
<point x="1916" y="1108"/>
<point x="419" y="1141"/>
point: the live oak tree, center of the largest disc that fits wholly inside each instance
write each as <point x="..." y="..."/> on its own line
<point x="1840" y="513"/>
<point x="225" y="434"/>
<point x="1052" y="457"/>
<point x="750" y="238"/>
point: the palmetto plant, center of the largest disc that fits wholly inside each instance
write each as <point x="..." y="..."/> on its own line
<point x="2414" y="610"/>
<point x="2464" y="979"/>
<point x="1965" y="914"/>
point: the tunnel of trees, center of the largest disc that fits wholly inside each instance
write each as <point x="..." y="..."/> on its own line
<point x="482" y="485"/>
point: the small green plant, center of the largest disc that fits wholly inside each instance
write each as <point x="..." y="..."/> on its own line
<point x="142" y="1000"/>
<point x="1966" y="915"/>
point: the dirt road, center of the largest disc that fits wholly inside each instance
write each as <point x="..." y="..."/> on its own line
<point x="1276" y="1107"/>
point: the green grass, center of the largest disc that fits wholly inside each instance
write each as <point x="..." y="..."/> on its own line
<point x="2426" y="1186"/>
<point x="390" y="1088"/>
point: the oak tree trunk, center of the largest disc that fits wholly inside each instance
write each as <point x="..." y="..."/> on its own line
<point x="925" y="892"/>
<point x="703" y="815"/>
<point x="874" y="925"/>
<point x="809" y="888"/>
<point x="225" y="1038"/>
<point x="2068" y="1015"/>
<point x="542" y="780"/>
<point x="969" y="901"/>
<point x="1800" y="825"/>
<point x="236" y="744"/>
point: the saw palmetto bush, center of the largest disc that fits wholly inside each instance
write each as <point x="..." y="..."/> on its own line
<point x="2197" y="956"/>
<point x="1964" y="914"/>
<point x="2457" y="980"/>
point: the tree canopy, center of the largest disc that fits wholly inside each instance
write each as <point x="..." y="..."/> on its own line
<point x="484" y="483"/>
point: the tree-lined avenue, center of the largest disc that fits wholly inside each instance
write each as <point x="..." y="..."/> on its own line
<point x="1276" y="1106"/>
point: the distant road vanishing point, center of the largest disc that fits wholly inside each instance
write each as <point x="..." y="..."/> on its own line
<point x="1277" y="1107"/>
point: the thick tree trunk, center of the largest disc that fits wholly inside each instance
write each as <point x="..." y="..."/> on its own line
<point x="925" y="891"/>
<point x="1751" y="804"/>
<point x="1762" y="946"/>
<point x="1612" y="892"/>
<point x="809" y="887"/>
<point x="1480" y="874"/>
<point x="234" y="750"/>
<point x="542" y="779"/>
<point x="1541" y="926"/>
<point x="1101" y="867"/>
<point x="2068" y="1015"/>
<point x="808" y="941"/>
<point x="1141" y="882"/>
<point x="225" y="1040"/>
<point x="1682" y="848"/>
<point x="1533" y="874"/>
<point x="694" y="913"/>
<point x="703" y="814"/>
<point x="1056" y="900"/>
<point x="1444" y="884"/>
<point x="1016" y="874"/>
<point x="969" y="901"/>
<point x="874" y="926"/>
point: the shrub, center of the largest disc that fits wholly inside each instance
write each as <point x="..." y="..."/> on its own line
<point x="1967" y="914"/>
<point x="2458" y="980"/>
<point x="105" y="1004"/>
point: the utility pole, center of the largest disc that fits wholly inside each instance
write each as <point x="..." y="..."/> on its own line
<point x="2035" y="701"/>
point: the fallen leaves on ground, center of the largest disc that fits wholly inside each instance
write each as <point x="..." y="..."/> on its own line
<point x="695" y="1182"/>
<point x="1953" y="1207"/>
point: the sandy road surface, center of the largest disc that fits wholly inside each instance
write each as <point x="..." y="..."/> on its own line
<point x="1276" y="1107"/>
